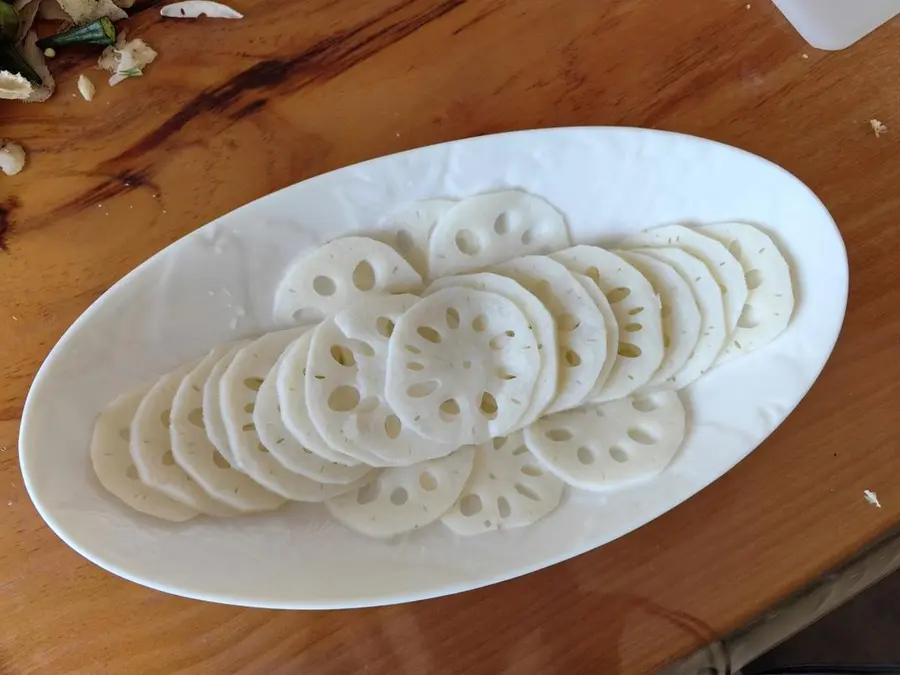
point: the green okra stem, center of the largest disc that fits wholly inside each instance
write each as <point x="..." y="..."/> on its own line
<point x="100" y="32"/>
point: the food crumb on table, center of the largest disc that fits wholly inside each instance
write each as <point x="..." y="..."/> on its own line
<point x="12" y="157"/>
<point x="872" y="498"/>
<point x="878" y="127"/>
<point x="86" y="88"/>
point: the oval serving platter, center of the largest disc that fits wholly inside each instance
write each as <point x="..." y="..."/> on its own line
<point x="217" y="284"/>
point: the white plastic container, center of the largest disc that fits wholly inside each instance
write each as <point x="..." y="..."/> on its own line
<point x="837" y="24"/>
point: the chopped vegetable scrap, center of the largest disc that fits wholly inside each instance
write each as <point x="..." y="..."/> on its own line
<point x="126" y="59"/>
<point x="24" y="75"/>
<point x="192" y="9"/>
<point x="12" y="157"/>
<point x="86" y="88"/>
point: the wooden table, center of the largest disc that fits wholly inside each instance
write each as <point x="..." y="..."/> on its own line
<point x="235" y="109"/>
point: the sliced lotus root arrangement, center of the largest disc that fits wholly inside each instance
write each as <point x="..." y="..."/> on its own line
<point x="612" y="332"/>
<point x="345" y="386"/>
<point x="408" y="230"/>
<point x="290" y="381"/>
<point x="608" y="445"/>
<point x="212" y="409"/>
<point x="462" y="366"/>
<point x="637" y="310"/>
<point x="151" y="448"/>
<point x="111" y="459"/>
<point x="528" y="364"/>
<point x="723" y="265"/>
<point x="679" y="312"/>
<point x="708" y="296"/>
<point x="770" y="298"/>
<point x="404" y="498"/>
<point x="542" y="325"/>
<point x="488" y="229"/>
<point x="581" y="329"/>
<point x="195" y="453"/>
<point x="338" y="274"/>
<point x="508" y="488"/>
<point x="286" y="449"/>
<point x="239" y="388"/>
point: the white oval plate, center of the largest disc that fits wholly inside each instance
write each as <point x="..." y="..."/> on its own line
<point x="217" y="285"/>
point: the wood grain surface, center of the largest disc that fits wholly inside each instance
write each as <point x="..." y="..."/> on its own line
<point x="233" y="110"/>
